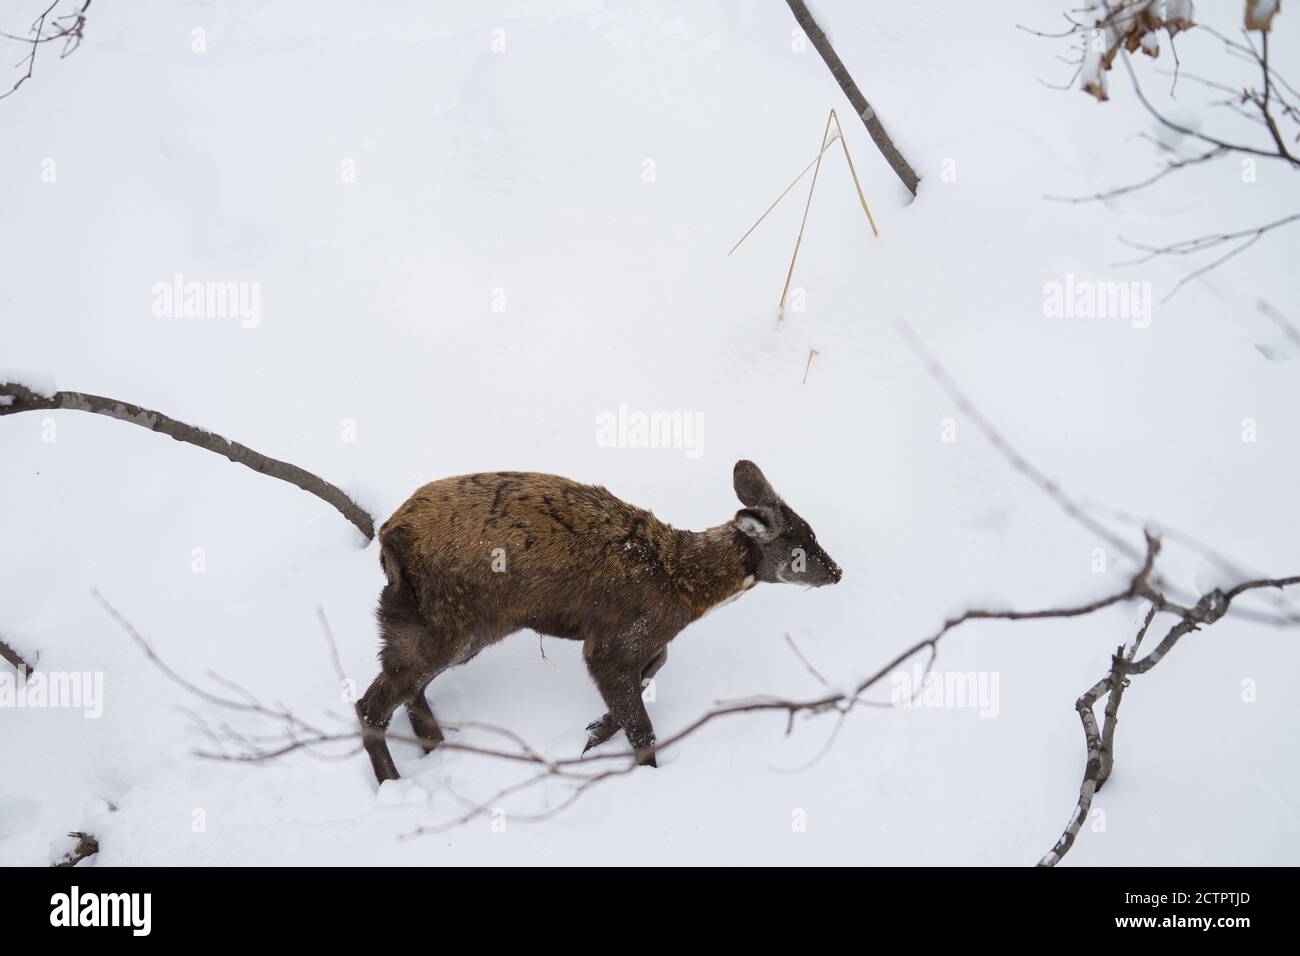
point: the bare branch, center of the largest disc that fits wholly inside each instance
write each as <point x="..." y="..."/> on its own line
<point x="1281" y="321"/>
<point x="86" y="846"/>
<point x="1123" y="27"/>
<point x="23" y="399"/>
<point x="1017" y="461"/>
<point x="859" y="102"/>
<point x="1199" y="244"/>
<point x="1171" y="167"/>
<point x="805" y="662"/>
<point x="70" y="29"/>
<point x="1197" y="134"/>
<point x="581" y="772"/>
<point x="16" y="659"/>
<point x="1211" y="607"/>
<point x="1115" y="693"/>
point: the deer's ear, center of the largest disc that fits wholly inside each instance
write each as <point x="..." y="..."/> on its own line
<point x="761" y="524"/>
<point x="751" y="487"/>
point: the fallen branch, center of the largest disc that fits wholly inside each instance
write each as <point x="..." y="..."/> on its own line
<point x="859" y="102"/>
<point x="23" y="399"/>
<point x="1100" y="744"/>
<point x="16" y="659"/>
<point x="1115" y="687"/>
<point x="86" y="846"/>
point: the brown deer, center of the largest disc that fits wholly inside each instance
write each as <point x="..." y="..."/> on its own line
<point x="472" y="559"/>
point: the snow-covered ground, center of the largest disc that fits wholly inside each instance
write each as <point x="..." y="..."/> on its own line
<point x="472" y="229"/>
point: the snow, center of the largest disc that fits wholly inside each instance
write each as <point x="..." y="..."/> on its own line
<point x="475" y="230"/>
<point x="40" y="383"/>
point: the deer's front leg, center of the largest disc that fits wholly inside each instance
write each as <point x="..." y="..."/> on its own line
<point x="600" y="730"/>
<point x="617" y="674"/>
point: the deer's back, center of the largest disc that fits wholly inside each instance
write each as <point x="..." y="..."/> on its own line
<point x="502" y="550"/>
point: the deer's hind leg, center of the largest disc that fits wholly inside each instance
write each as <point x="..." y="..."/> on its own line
<point x="423" y="722"/>
<point x="412" y="655"/>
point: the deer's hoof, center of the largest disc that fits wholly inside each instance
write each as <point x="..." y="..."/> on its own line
<point x="645" y="753"/>
<point x="598" y="731"/>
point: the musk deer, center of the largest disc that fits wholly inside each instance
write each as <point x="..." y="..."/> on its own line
<point x="472" y="559"/>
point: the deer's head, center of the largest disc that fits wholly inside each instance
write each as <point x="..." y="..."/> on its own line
<point x="787" y="548"/>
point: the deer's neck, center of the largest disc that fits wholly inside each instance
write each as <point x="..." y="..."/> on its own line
<point x="711" y="567"/>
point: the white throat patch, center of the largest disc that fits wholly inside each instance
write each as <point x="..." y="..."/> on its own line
<point x="744" y="586"/>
